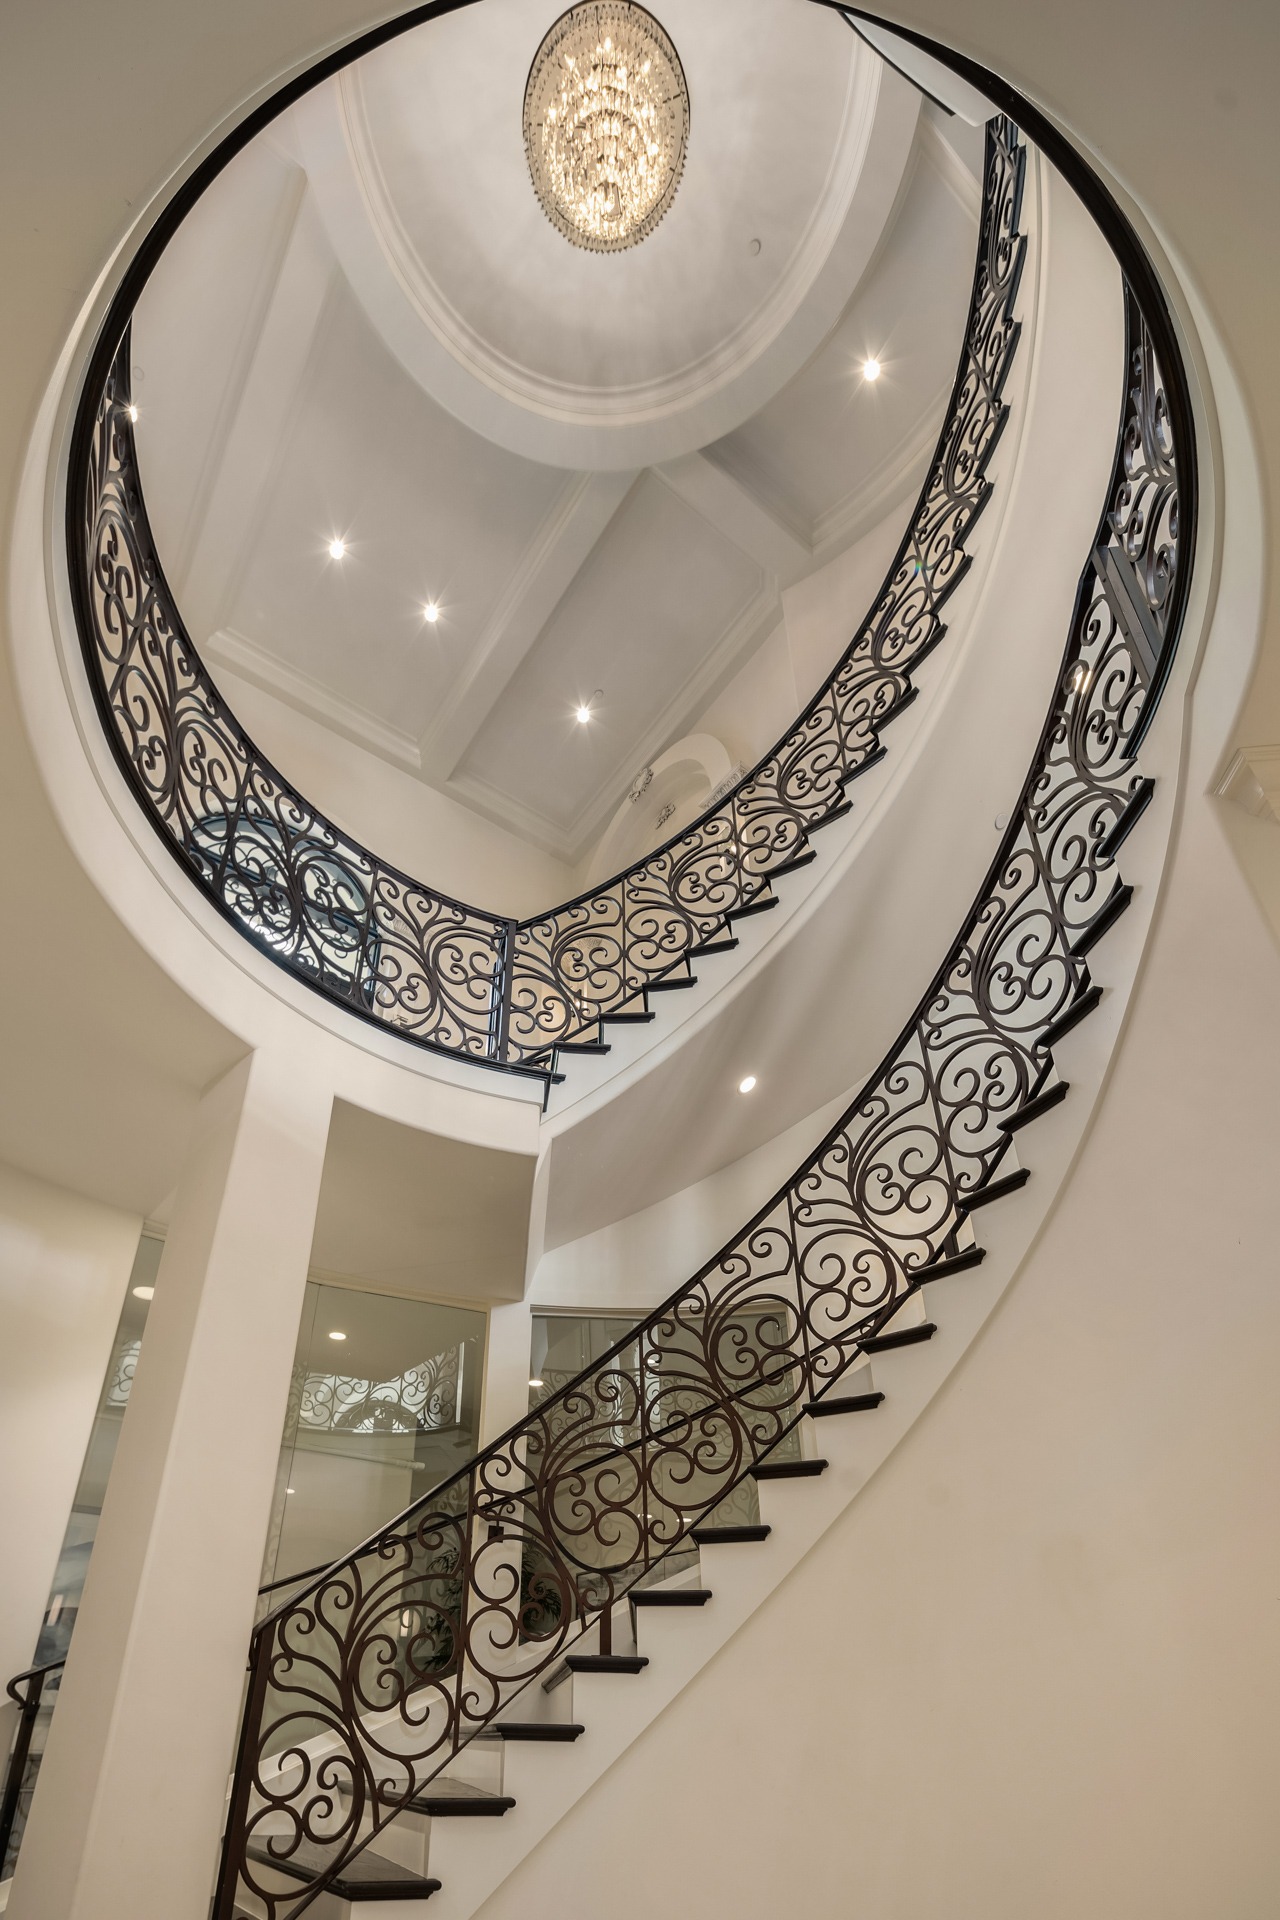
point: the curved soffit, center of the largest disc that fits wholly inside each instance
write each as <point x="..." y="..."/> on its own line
<point x="800" y="141"/>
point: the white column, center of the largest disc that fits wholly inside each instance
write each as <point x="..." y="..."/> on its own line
<point x="128" y="1810"/>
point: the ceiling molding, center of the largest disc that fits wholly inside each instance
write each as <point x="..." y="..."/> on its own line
<point x="1252" y="781"/>
<point x="552" y="561"/>
<point x="237" y="653"/>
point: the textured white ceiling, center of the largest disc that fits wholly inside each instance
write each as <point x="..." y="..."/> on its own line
<point x="274" y="415"/>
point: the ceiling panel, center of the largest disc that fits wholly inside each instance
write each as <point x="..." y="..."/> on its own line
<point x="824" y="440"/>
<point x="643" y="617"/>
<point x="429" y="511"/>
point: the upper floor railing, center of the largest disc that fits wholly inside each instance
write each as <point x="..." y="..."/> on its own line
<point x="370" y="1680"/>
<point x="396" y="951"/>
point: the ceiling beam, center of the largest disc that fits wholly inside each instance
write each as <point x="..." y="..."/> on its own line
<point x="257" y="429"/>
<point x="725" y="504"/>
<point x="550" y="565"/>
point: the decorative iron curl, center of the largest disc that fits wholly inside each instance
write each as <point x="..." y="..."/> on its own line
<point x="396" y="951"/>
<point x="548" y="1529"/>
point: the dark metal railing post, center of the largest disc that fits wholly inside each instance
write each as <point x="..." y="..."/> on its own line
<point x="502" y="1038"/>
<point x="29" y="1705"/>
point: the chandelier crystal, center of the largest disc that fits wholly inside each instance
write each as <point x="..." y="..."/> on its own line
<point x="606" y="123"/>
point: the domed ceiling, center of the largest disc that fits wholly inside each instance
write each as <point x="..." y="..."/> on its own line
<point x="605" y="474"/>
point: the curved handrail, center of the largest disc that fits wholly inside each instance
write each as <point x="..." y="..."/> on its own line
<point x="367" y="1683"/>
<point x="454" y="978"/>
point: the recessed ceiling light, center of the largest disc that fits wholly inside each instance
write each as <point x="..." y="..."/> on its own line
<point x="337" y="548"/>
<point x="431" y="613"/>
<point x="289" y="1489"/>
<point x="535" y="1383"/>
<point x="337" y="1336"/>
<point x="745" y="1086"/>
<point x="871" y="369"/>
<point x="133" y="414"/>
<point x="582" y="715"/>
<point x="144" y="1293"/>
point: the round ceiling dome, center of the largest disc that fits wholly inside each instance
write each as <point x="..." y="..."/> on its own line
<point x="606" y="119"/>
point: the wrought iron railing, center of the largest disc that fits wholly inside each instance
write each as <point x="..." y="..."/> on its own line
<point x="394" y="950"/>
<point x="368" y="1682"/>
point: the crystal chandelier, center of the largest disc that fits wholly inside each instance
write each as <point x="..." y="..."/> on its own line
<point x="606" y="122"/>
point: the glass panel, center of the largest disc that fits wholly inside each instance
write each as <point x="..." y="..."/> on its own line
<point x="376" y="1418"/>
<point x="86" y="1509"/>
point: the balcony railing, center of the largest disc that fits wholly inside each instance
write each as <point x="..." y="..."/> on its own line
<point x="369" y="1681"/>
<point x="397" y="951"/>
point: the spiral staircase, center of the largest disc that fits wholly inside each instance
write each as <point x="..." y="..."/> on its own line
<point x="422" y="1714"/>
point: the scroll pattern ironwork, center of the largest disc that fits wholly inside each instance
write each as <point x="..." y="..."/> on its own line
<point x="593" y="955"/>
<point x="388" y="947"/>
<point x="369" y="1682"/>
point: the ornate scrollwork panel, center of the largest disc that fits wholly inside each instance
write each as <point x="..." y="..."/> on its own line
<point x="368" y="1683"/>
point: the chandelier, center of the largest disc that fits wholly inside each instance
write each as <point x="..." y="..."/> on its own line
<point x="606" y="122"/>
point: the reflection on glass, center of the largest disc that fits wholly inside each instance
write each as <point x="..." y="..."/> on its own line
<point x="375" y="1419"/>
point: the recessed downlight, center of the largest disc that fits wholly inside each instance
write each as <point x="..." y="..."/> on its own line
<point x="144" y="1293"/>
<point x="337" y="548"/>
<point x="871" y="370"/>
<point x="133" y="414"/>
<point x="335" y="1335"/>
<point x="582" y="715"/>
<point x="535" y="1383"/>
<point x="745" y="1085"/>
<point x="431" y="613"/>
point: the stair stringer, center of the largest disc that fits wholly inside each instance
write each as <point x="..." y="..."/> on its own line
<point x="548" y="1782"/>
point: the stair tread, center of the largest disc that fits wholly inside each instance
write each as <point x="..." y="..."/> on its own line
<point x="671" y="1597"/>
<point x="760" y="904"/>
<point x="369" y="1876"/>
<point x="903" y="1337"/>
<point x="671" y="983"/>
<point x="844" y="1403"/>
<point x="788" y="1469"/>
<point x="605" y="1662"/>
<point x="728" y="1536"/>
<point x="443" y="1797"/>
<point x="995" y="1189"/>
<point x="537" y="1730"/>
<point x="594" y="1663"/>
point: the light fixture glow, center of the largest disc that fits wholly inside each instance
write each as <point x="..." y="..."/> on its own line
<point x="745" y="1086"/>
<point x="606" y="124"/>
<point x="431" y="613"/>
<point x="133" y="414"/>
<point x="871" y="370"/>
<point x="535" y="1383"/>
<point x="144" y="1293"/>
<point x="337" y="548"/>
<point x="582" y="715"/>
<point x="289" y="1489"/>
<point x="337" y="1336"/>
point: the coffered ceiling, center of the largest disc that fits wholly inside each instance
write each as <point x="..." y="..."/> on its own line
<point x="602" y="470"/>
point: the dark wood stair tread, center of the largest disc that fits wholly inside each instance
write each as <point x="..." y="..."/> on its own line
<point x="995" y="1190"/>
<point x="844" y="1403"/>
<point x="727" y="1536"/>
<point x="594" y="1663"/>
<point x="788" y="1469"/>
<point x="903" y="1337"/>
<point x="671" y="983"/>
<point x="671" y="1597"/>
<point x="760" y="904"/>
<point x="445" y="1798"/>
<point x="368" y="1877"/>
<point x="537" y="1730"/>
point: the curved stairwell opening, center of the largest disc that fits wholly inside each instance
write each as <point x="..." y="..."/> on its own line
<point x="498" y="1615"/>
<point x="521" y="995"/>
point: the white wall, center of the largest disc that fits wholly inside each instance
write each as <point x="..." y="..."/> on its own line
<point x="64" y="1264"/>
<point x="404" y="821"/>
